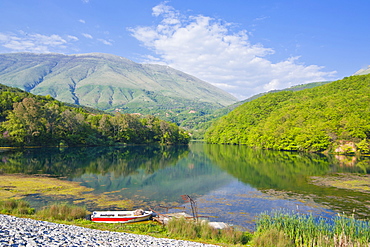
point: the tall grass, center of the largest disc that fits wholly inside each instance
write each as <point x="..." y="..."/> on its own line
<point x="272" y="238"/>
<point x="305" y="230"/>
<point x="182" y="228"/>
<point x="65" y="212"/>
<point x="16" y="207"/>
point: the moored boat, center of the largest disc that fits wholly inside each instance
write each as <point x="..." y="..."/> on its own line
<point x="121" y="216"/>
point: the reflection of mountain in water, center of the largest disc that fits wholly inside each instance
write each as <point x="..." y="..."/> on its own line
<point x="160" y="174"/>
<point x="265" y="169"/>
<point x="290" y="172"/>
<point x="193" y="175"/>
<point x="145" y="172"/>
<point x="98" y="160"/>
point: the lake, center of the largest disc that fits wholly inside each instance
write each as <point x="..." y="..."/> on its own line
<point x="229" y="183"/>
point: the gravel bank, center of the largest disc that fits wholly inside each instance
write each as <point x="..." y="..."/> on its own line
<point x="27" y="232"/>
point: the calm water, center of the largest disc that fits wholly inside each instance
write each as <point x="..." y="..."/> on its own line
<point x="232" y="184"/>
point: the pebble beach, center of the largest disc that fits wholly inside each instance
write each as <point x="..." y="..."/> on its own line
<point x="28" y="232"/>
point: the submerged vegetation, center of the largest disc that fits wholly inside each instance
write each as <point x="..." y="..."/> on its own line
<point x="15" y="187"/>
<point x="29" y="120"/>
<point x="334" y="117"/>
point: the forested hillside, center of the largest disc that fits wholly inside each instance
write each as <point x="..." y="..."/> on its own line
<point x="333" y="117"/>
<point x="29" y="120"/>
<point x="198" y="124"/>
<point x="112" y="83"/>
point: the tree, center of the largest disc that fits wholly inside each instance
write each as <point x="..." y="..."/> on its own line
<point x="26" y="123"/>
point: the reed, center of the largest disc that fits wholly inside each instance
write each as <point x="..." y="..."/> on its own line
<point x="306" y="230"/>
<point x="272" y="238"/>
<point x="62" y="212"/>
<point x="196" y="230"/>
<point x="16" y="207"/>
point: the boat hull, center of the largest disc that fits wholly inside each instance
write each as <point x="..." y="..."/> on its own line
<point x="119" y="217"/>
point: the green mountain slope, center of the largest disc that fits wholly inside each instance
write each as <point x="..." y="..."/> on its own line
<point x="199" y="123"/>
<point x="109" y="82"/>
<point x="334" y="116"/>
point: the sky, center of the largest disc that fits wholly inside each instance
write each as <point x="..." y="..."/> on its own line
<point x="244" y="47"/>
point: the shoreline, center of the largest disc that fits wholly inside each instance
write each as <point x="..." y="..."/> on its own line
<point x="16" y="231"/>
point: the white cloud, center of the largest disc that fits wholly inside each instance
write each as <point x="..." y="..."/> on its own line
<point x="207" y="48"/>
<point x="24" y="42"/>
<point x="70" y="37"/>
<point x="82" y="21"/>
<point x="86" y="35"/>
<point x="105" y="42"/>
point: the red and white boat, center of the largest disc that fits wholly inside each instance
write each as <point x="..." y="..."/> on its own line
<point x="121" y="216"/>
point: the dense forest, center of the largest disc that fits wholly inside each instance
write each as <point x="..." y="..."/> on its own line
<point x="201" y="121"/>
<point x="334" y="117"/>
<point x="29" y="120"/>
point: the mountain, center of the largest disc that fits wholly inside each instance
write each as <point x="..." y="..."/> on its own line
<point x="109" y="82"/>
<point x="33" y="120"/>
<point x="332" y="117"/>
<point x="200" y="123"/>
<point x="363" y="71"/>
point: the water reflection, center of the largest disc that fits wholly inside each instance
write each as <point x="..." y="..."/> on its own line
<point x="287" y="174"/>
<point x="73" y="162"/>
<point x="232" y="183"/>
<point x="154" y="182"/>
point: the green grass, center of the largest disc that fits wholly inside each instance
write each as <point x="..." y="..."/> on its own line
<point x="200" y="230"/>
<point x="15" y="207"/>
<point x="303" y="230"/>
<point x="176" y="229"/>
<point x="277" y="228"/>
<point x="62" y="212"/>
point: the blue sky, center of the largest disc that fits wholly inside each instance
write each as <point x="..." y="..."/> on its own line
<point x="242" y="46"/>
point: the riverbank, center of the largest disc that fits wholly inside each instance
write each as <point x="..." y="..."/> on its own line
<point x="28" y="232"/>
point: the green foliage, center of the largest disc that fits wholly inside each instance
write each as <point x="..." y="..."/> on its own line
<point x="272" y="238"/>
<point x="111" y="83"/>
<point x="315" y="119"/>
<point x="29" y="120"/>
<point x="194" y="230"/>
<point x="201" y="121"/>
<point x="16" y="207"/>
<point x="303" y="230"/>
<point x="62" y="212"/>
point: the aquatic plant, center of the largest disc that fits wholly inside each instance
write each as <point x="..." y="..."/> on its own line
<point x="62" y="212"/>
<point x="18" y="207"/>
<point x="195" y="230"/>
<point x="306" y="230"/>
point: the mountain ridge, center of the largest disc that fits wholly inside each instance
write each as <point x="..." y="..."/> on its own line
<point x="363" y="71"/>
<point x="108" y="82"/>
<point x="333" y="117"/>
